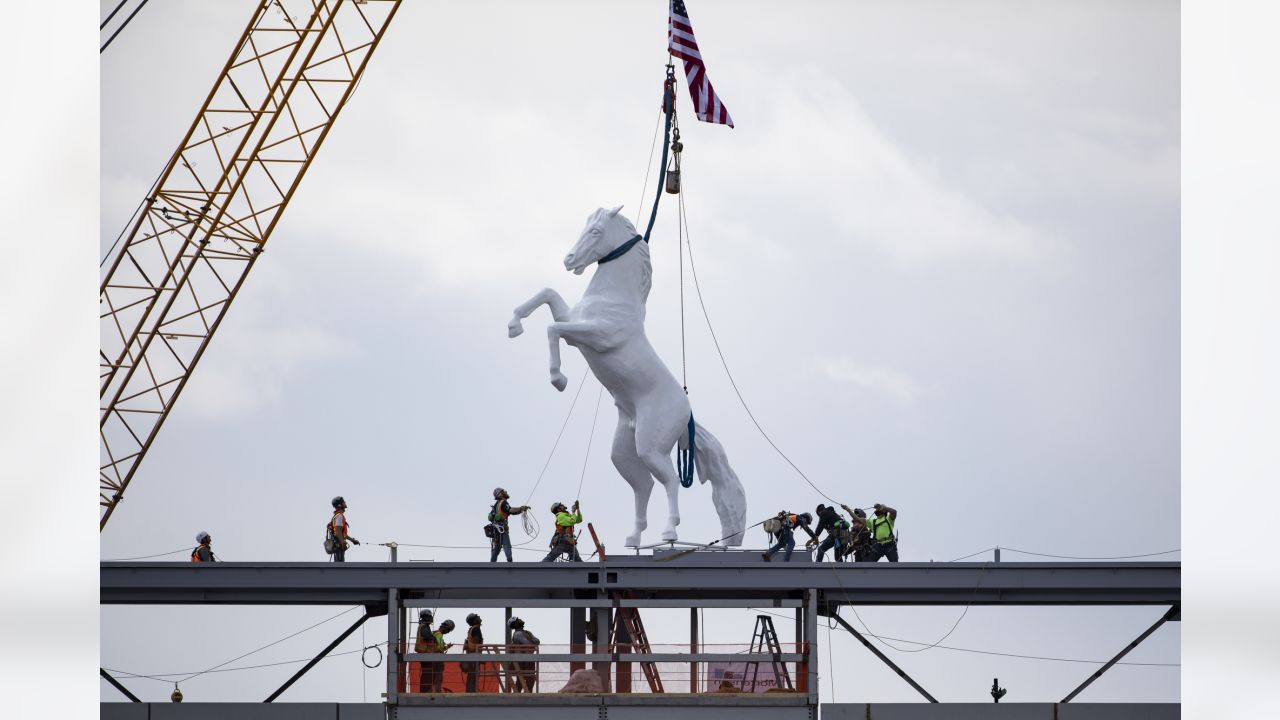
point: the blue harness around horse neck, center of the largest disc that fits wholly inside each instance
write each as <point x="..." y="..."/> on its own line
<point x="684" y="458"/>
<point x="620" y="250"/>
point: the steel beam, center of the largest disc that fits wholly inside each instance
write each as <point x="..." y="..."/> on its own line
<point x="1174" y="613"/>
<point x="328" y="648"/>
<point x="116" y="684"/>
<point x="836" y="584"/>
<point x="884" y="658"/>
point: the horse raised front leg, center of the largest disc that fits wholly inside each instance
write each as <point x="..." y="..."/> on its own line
<point x="545" y="296"/>
<point x="588" y="333"/>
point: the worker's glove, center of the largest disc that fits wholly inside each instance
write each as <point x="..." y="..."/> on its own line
<point x="355" y="541"/>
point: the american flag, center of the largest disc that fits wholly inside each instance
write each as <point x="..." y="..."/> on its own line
<point x="684" y="45"/>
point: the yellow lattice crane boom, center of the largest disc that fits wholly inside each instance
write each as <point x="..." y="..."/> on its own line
<point x="206" y="220"/>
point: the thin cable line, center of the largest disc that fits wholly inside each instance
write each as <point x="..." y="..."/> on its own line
<point x="701" y="302"/>
<point x="582" y="383"/>
<point x="1074" y="557"/>
<point x="113" y="14"/>
<point x="264" y="647"/>
<point x="966" y="557"/>
<point x="989" y="652"/>
<point x="146" y="557"/>
<point x="653" y="144"/>
<point x="123" y="25"/>
<point x="590" y="438"/>
<point x="161" y="676"/>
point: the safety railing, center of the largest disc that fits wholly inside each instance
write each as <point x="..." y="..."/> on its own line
<point x="548" y="668"/>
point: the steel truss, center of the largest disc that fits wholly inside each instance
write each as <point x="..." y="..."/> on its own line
<point x="700" y="580"/>
<point x="206" y="221"/>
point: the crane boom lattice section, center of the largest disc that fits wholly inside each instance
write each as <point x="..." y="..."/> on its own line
<point x="213" y="208"/>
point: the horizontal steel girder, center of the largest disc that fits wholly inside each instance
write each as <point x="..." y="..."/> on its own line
<point x="689" y="579"/>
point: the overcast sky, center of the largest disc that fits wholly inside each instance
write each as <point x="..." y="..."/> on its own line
<point x="940" y="251"/>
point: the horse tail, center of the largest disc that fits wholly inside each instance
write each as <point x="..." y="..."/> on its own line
<point x="727" y="494"/>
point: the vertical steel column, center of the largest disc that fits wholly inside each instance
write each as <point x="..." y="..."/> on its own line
<point x="600" y="644"/>
<point x="809" y="678"/>
<point x="506" y="626"/>
<point x="577" y="635"/>
<point x="693" y="648"/>
<point x="394" y="615"/>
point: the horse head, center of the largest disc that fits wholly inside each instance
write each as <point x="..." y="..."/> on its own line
<point x="605" y="232"/>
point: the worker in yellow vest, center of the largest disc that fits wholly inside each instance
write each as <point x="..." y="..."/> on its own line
<point x="884" y="543"/>
<point x="563" y="541"/>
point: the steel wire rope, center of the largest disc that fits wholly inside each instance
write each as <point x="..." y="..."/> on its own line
<point x="123" y="25"/>
<point x="581" y="384"/>
<point x="590" y="438"/>
<point x="966" y="557"/>
<point x="1074" y="557"/>
<point x="162" y="677"/>
<point x="113" y="14"/>
<point x="145" y="557"/>
<point x="270" y="644"/>
<point x="963" y="613"/>
<point x="990" y="652"/>
<point x="720" y="352"/>
<point x="653" y="144"/>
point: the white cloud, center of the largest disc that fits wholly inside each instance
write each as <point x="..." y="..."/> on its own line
<point x="882" y="380"/>
<point x="251" y="367"/>
<point x="842" y="170"/>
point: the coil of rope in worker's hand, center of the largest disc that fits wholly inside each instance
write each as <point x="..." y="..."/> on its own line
<point x="531" y="526"/>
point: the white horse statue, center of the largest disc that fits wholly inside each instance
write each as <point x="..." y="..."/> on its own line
<point x="654" y="415"/>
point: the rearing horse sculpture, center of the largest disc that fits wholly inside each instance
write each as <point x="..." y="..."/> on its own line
<point x="607" y="326"/>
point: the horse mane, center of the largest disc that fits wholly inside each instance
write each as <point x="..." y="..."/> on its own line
<point x="646" y="266"/>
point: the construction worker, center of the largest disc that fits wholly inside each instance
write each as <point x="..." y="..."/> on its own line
<point x="523" y="642"/>
<point x="883" y="541"/>
<point x="835" y="524"/>
<point x="860" y="536"/>
<point x="501" y="536"/>
<point x="338" y="531"/>
<point x="427" y="643"/>
<point x="786" y="534"/>
<point x="563" y="541"/>
<point x="475" y="638"/>
<point x="433" y="673"/>
<point x="203" y="552"/>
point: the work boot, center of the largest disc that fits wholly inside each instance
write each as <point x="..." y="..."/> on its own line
<point x="766" y="557"/>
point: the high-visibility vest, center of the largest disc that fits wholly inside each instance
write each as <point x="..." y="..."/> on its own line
<point x="564" y="526"/>
<point x="195" y="554"/>
<point x="881" y="529"/>
<point x="346" y="526"/>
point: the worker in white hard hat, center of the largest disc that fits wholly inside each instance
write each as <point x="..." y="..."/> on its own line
<point x="498" y="530"/>
<point x="203" y="551"/>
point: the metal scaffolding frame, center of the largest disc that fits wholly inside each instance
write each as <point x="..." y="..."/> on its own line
<point x="698" y="580"/>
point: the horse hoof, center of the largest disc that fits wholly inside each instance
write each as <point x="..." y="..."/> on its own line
<point x="559" y="381"/>
<point x="669" y="535"/>
<point x="632" y="540"/>
<point x="514" y="329"/>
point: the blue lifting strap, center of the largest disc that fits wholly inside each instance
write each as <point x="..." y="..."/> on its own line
<point x="684" y="458"/>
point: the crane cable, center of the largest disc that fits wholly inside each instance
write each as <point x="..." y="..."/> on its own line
<point x="123" y="25"/>
<point x="693" y="268"/>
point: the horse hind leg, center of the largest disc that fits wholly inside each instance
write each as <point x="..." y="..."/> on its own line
<point x="634" y="471"/>
<point x="660" y="466"/>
